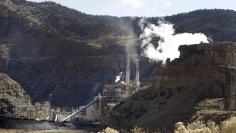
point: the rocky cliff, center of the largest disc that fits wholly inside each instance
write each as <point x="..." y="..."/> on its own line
<point x="12" y="96"/>
<point x="200" y="84"/>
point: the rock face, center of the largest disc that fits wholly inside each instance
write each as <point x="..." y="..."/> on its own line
<point x="12" y="96"/>
<point x="4" y="58"/>
<point x="200" y="84"/>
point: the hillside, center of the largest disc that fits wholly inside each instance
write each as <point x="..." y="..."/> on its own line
<point x="54" y="49"/>
<point x="217" y="24"/>
<point x="57" y="50"/>
<point x="12" y="96"/>
<point x="200" y="85"/>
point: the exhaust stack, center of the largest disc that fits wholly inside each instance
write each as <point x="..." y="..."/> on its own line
<point x="127" y="77"/>
<point x="127" y="74"/>
<point x="137" y="82"/>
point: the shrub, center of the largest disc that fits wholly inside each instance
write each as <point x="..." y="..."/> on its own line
<point x="109" y="130"/>
<point x="228" y="126"/>
<point x="137" y="130"/>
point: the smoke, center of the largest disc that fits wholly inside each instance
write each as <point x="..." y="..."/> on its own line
<point x="131" y="45"/>
<point x="118" y="78"/>
<point x="96" y="87"/>
<point x="169" y="41"/>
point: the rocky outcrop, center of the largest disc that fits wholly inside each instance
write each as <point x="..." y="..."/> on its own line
<point x="200" y="84"/>
<point x="4" y="58"/>
<point x="12" y="96"/>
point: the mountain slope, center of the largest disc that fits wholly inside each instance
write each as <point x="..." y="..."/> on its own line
<point x="217" y="24"/>
<point x="57" y="50"/>
<point x="54" y="49"/>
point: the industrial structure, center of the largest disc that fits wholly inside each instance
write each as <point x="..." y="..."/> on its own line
<point x="111" y="96"/>
<point x="89" y="112"/>
<point x="40" y="111"/>
<point x="93" y="111"/>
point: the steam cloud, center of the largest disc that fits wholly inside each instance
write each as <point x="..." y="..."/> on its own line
<point x="118" y="78"/>
<point x="168" y="43"/>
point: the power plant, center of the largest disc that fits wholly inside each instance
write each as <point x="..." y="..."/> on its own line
<point x="96" y="110"/>
<point x="111" y="96"/>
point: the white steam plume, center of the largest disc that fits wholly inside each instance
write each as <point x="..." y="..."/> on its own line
<point x="118" y="78"/>
<point x="168" y="43"/>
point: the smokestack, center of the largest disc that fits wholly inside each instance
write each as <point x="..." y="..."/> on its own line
<point x="127" y="74"/>
<point x="137" y="82"/>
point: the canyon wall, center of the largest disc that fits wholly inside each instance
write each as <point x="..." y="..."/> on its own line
<point x="200" y="84"/>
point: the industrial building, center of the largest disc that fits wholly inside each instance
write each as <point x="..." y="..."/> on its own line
<point x="112" y="95"/>
<point x="93" y="111"/>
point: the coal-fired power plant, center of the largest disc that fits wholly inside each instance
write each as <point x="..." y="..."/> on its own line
<point x="111" y="96"/>
<point x="97" y="108"/>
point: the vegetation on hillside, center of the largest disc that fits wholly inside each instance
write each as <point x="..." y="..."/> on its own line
<point x="217" y="24"/>
<point x="227" y="126"/>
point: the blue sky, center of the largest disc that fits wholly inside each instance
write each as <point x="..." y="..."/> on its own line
<point x="143" y="7"/>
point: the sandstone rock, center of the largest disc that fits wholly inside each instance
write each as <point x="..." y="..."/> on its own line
<point x="12" y="96"/>
<point x="181" y="90"/>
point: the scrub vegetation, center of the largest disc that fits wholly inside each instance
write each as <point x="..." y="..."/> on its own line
<point x="227" y="126"/>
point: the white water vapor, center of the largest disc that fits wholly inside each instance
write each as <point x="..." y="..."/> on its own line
<point x="118" y="77"/>
<point x="169" y="41"/>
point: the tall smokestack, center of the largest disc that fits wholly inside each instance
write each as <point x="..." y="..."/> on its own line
<point x="127" y="74"/>
<point x="137" y="82"/>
